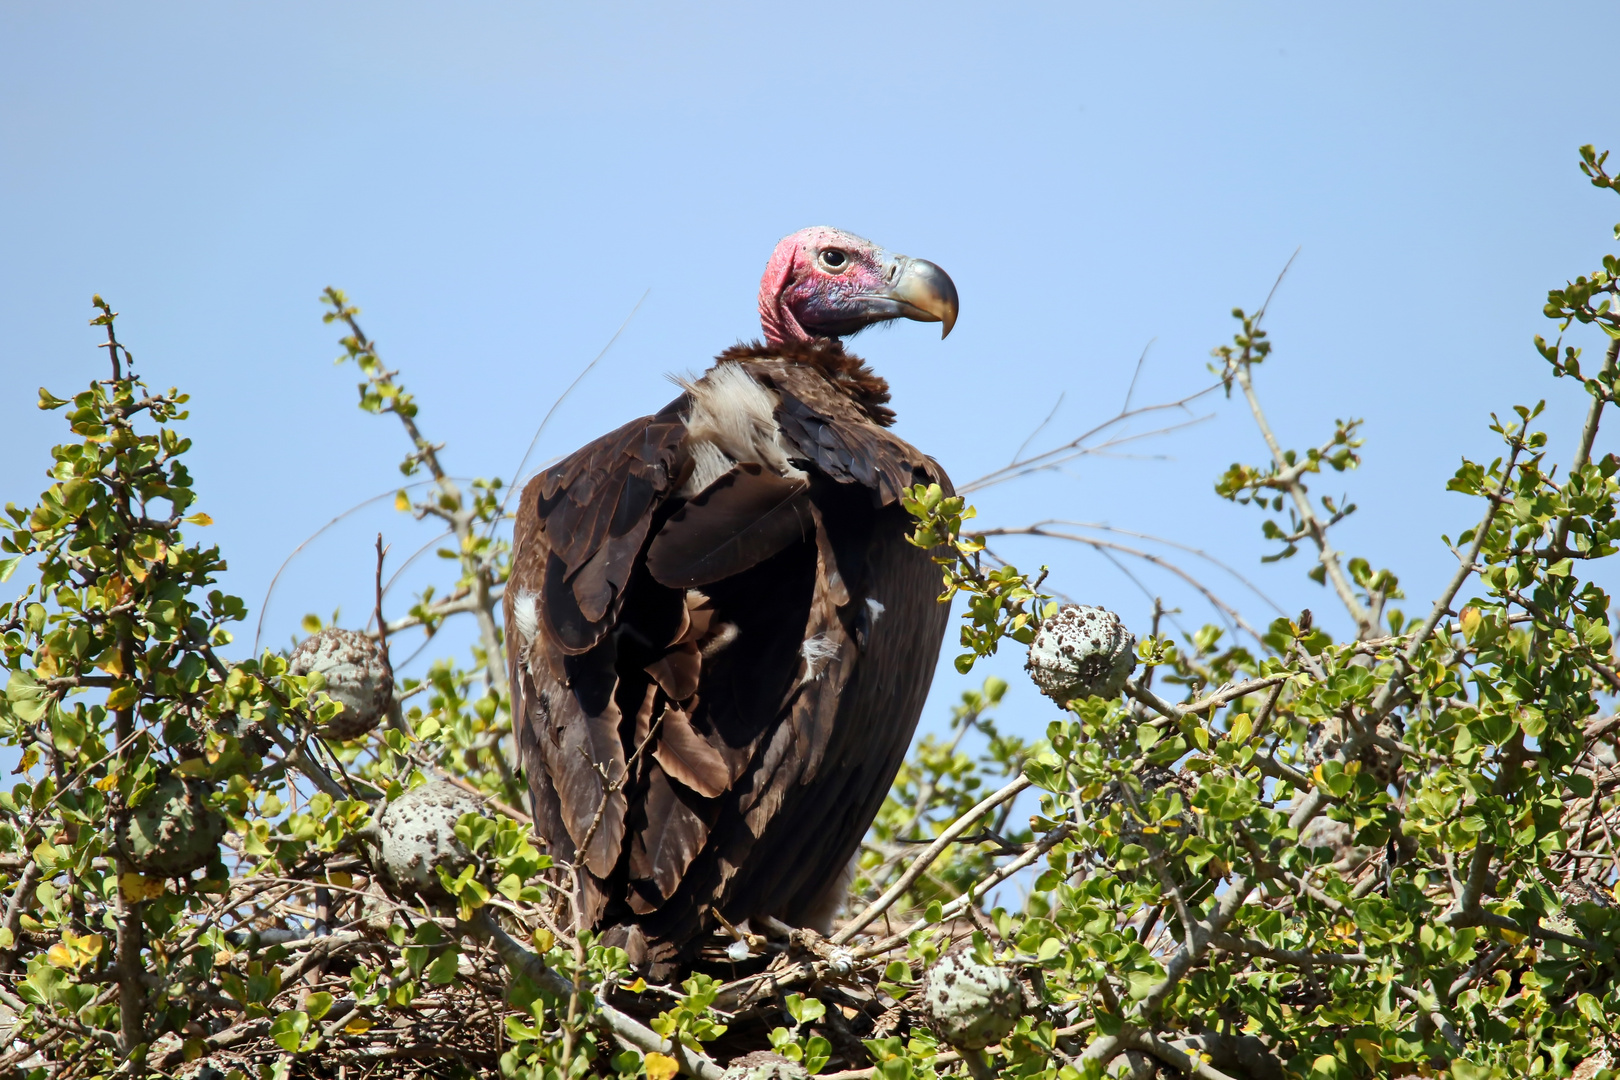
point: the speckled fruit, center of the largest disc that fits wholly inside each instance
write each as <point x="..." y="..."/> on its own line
<point x="968" y="1004"/>
<point x="764" y="1065"/>
<point x="417" y="832"/>
<point x="356" y="676"/>
<point x="173" y="831"/>
<point x="1081" y="652"/>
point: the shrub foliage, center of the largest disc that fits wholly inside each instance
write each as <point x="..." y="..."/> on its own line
<point x="1275" y="855"/>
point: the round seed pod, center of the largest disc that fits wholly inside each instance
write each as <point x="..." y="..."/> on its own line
<point x="173" y="831"/>
<point x="1081" y="652"/>
<point x="417" y="833"/>
<point x="764" y="1065"/>
<point x="968" y="1004"/>
<point x="357" y="676"/>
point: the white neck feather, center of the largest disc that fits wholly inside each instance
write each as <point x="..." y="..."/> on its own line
<point x="733" y="419"/>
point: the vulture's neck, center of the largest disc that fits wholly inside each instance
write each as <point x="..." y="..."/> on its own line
<point x="844" y="370"/>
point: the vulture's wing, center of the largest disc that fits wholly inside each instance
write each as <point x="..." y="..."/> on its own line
<point x="720" y="645"/>
<point x="577" y="541"/>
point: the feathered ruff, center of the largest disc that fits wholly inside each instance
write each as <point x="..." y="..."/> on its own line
<point x="846" y="371"/>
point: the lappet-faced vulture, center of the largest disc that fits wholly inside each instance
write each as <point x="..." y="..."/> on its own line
<point x="720" y="638"/>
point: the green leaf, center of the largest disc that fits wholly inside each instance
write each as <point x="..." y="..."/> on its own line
<point x="475" y="830"/>
<point x="443" y="969"/>
<point x="1242" y="727"/>
<point x="288" y="1031"/>
<point x="26" y="696"/>
<point x="519" y="1031"/>
<point x="817" y="1052"/>
<point x="805" y="1010"/>
<point x="1590" y="1008"/>
<point x="511" y="887"/>
<point x="44" y="984"/>
<point x="1143" y="982"/>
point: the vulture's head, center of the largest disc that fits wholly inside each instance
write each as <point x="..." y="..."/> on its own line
<point x="826" y="283"/>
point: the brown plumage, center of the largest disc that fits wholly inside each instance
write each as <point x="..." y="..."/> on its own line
<point x="720" y="643"/>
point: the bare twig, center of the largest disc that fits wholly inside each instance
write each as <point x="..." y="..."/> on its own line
<point x="264" y="606"/>
<point x="510" y="811"/>
<point x="924" y="860"/>
<point x="1227" y="610"/>
<point x="1100" y="527"/>
<point x="1292" y="957"/>
<point x="517" y="474"/>
<point x="1077" y="447"/>
<point x="1289" y="480"/>
<point x="382" y="624"/>
<point x="1056" y="405"/>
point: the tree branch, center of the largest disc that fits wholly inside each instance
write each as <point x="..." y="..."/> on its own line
<point x="923" y="861"/>
<point x="605" y="1016"/>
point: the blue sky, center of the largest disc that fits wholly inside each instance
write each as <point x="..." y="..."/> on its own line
<point x="498" y="184"/>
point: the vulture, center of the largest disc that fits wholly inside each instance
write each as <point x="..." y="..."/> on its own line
<point x="720" y="637"/>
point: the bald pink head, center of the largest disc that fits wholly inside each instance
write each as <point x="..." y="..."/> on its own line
<point x="823" y="282"/>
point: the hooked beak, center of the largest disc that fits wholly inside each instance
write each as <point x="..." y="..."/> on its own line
<point x="922" y="292"/>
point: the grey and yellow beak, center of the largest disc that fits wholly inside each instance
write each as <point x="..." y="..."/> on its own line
<point x="920" y="291"/>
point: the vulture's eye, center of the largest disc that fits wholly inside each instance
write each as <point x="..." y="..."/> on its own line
<point x="834" y="260"/>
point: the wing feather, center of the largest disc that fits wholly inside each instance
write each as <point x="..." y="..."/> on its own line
<point x="672" y="838"/>
<point x="688" y="757"/>
<point x="737" y="522"/>
<point x="678" y="672"/>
